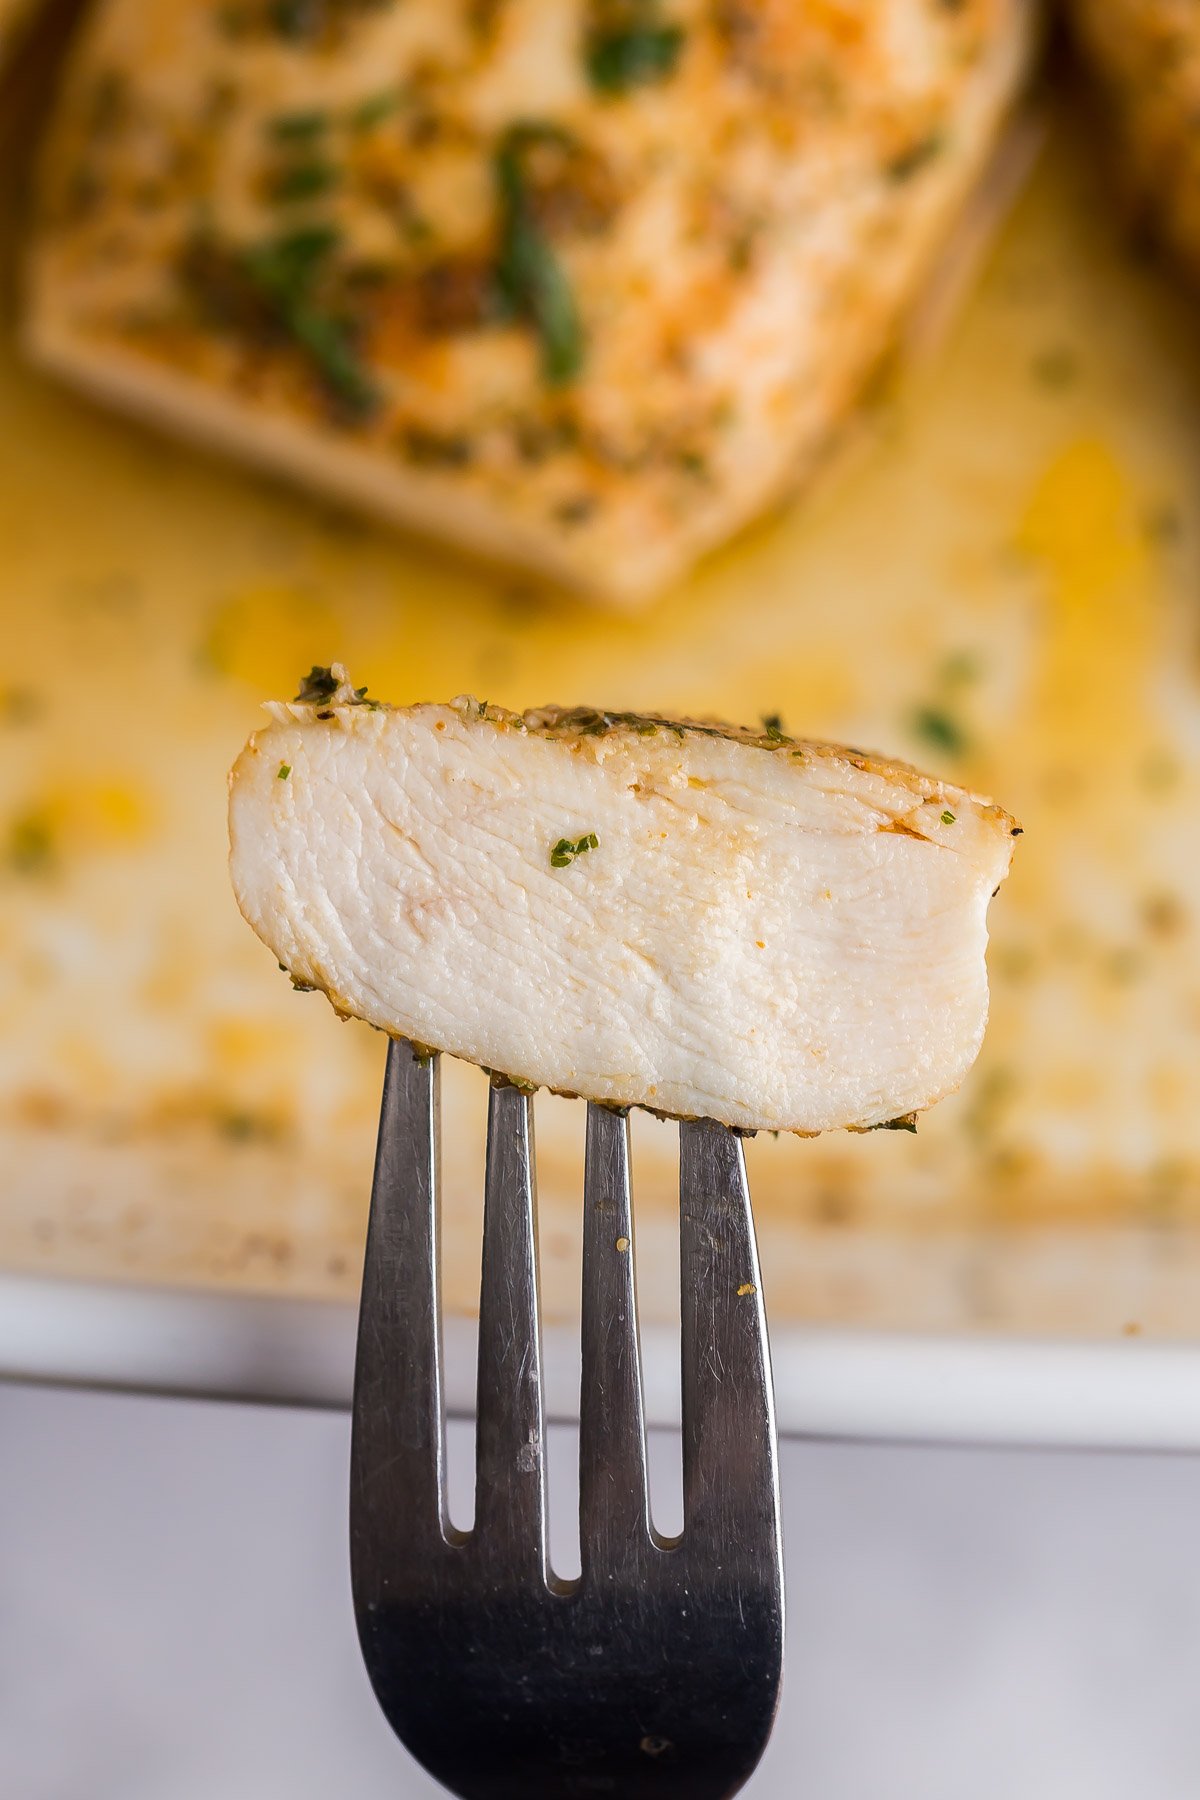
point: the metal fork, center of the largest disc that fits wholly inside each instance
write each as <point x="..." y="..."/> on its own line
<point x="657" y="1671"/>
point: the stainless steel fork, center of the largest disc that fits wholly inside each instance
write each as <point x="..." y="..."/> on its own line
<point x="656" y="1672"/>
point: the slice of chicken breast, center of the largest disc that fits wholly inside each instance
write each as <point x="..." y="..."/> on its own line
<point x="577" y="284"/>
<point x="1147" y="54"/>
<point x="691" y="917"/>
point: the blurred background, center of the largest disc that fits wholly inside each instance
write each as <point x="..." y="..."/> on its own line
<point x="826" y="363"/>
<point x="174" y="1616"/>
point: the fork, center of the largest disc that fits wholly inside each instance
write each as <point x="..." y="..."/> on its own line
<point x="657" y="1671"/>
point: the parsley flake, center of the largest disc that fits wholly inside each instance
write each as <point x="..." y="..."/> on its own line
<point x="915" y="157"/>
<point x="278" y="286"/>
<point x="639" y="53"/>
<point x="938" y="728"/>
<point x="297" y="127"/>
<point x="567" y="849"/>
<point x="531" y="282"/>
<point x="374" y="110"/>
<point x="318" y="685"/>
<point x="301" y="181"/>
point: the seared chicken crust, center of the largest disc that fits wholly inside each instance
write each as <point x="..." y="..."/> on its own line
<point x="579" y="284"/>
<point x="696" y="918"/>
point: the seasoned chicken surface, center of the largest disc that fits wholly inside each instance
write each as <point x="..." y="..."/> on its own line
<point x="578" y="284"/>
<point x="691" y="917"/>
<point x="1147" y="53"/>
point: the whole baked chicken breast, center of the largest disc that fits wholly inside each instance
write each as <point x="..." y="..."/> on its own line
<point x="688" y="916"/>
<point x="582" y="285"/>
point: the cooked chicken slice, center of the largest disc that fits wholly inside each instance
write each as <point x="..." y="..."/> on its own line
<point x="579" y="284"/>
<point x="1147" y="53"/>
<point x="691" y="917"/>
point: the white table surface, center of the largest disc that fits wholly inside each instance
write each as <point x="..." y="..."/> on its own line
<point x="964" y="1625"/>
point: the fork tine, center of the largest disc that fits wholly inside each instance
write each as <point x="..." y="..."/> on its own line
<point x="398" y="1439"/>
<point x="510" y="1483"/>
<point x="730" y="1489"/>
<point x="614" y="1521"/>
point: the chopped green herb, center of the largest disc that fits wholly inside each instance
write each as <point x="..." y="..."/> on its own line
<point x="773" y="725"/>
<point x="246" y="1127"/>
<point x="297" y="127"/>
<point x="285" y="770"/>
<point x="374" y="110"/>
<point x="907" y="1122"/>
<point x="939" y="729"/>
<point x="589" y="721"/>
<point x="948" y="817"/>
<point x="284" y="272"/>
<point x="531" y="281"/>
<point x="298" y="254"/>
<point x="911" y="161"/>
<point x="566" y="849"/>
<point x="328" y="342"/>
<point x="640" y="53"/>
<point x="274" y="288"/>
<point x="318" y="685"/>
<point x="301" y="181"/>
